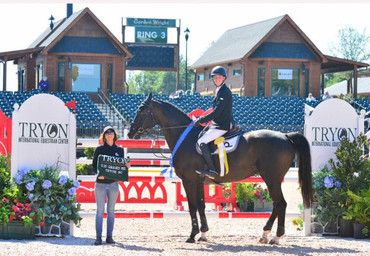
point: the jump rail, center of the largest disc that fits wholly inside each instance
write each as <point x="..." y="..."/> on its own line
<point x="144" y="189"/>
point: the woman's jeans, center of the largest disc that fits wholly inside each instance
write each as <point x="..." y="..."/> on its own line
<point x="110" y="191"/>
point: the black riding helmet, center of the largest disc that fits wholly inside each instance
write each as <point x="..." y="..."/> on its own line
<point x="219" y="70"/>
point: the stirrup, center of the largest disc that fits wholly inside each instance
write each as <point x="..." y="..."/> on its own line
<point x="208" y="173"/>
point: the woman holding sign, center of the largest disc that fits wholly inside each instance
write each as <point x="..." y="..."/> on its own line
<point x="106" y="186"/>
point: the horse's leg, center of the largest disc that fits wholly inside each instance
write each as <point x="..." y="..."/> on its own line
<point x="191" y="194"/>
<point x="267" y="228"/>
<point x="201" y="208"/>
<point x="280" y="208"/>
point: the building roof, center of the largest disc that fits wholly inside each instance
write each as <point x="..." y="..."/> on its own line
<point x="363" y="87"/>
<point x="49" y="38"/>
<point x="241" y="42"/>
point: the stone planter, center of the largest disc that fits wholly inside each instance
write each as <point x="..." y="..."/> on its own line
<point x="263" y="206"/>
<point x="246" y="206"/>
<point x="357" y="230"/>
<point x="345" y="228"/>
<point x="16" y="230"/>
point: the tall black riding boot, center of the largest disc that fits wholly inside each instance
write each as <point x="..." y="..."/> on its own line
<point x="211" y="172"/>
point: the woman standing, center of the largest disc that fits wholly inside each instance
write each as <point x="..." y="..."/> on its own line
<point x="106" y="187"/>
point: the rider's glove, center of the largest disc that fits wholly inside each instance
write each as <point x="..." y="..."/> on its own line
<point x="197" y="122"/>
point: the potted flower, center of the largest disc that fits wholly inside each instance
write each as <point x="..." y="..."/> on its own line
<point x="244" y="193"/>
<point x="359" y="211"/>
<point x="330" y="199"/>
<point x="348" y="172"/>
<point x="262" y="199"/>
<point x="54" y="194"/>
<point x="18" y="220"/>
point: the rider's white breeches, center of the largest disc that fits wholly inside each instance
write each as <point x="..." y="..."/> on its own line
<point x="211" y="135"/>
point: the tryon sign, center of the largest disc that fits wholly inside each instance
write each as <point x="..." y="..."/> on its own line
<point x="44" y="133"/>
<point x="330" y="122"/>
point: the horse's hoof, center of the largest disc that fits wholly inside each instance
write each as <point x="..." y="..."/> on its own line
<point x="263" y="240"/>
<point x="202" y="239"/>
<point x="275" y="240"/>
<point x="190" y="240"/>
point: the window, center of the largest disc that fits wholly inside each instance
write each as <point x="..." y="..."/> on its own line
<point x="200" y="77"/>
<point x="261" y="82"/>
<point x="237" y="72"/>
<point x="285" y="82"/>
<point x="86" y="77"/>
<point x="61" y="77"/>
<point x="39" y="72"/>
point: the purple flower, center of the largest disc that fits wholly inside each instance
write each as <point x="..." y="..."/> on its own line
<point x="18" y="179"/>
<point x="23" y="172"/>
<point x="68" y="197"/>
<point x="76" y="184"/>
<point x="30" y="186"/>
<point x="72" y="191"/>
<point x="328" y="182"/>
<point x="30" y="197"/>
<point x="63" y="179"/>
<point x="47" y="184"/>
<point x="337" y="184"/>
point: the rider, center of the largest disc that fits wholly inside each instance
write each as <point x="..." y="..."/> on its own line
<point x="221" y="116"/>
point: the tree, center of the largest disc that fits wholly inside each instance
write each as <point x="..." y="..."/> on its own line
<point x="352" y="45"/>
<point x="158" y="82"/>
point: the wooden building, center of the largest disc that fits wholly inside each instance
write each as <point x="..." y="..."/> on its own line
<point x="76" y="54"/>
<point x="269" y="58"/>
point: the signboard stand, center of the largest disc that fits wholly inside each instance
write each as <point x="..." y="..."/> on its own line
<point x="148" y="41"/>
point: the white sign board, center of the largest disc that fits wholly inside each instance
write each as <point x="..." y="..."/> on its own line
<point x="329" y="123"/>
<point x="43" y="134"/>
<point x="285" y="74"/>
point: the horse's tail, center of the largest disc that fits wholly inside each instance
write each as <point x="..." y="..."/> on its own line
<point x="304" y="170"/>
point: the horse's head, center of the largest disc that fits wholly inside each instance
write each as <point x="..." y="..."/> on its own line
<point x="144" y="119"/>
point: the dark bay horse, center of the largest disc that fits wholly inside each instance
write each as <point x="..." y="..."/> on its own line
<point x="264" y="152"/>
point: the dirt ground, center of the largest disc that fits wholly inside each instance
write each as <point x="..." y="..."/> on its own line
<point x="168" y="236"/>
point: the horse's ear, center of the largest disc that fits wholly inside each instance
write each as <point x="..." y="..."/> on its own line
<point x="149" y="99"/>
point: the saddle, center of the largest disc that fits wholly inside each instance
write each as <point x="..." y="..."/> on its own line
<point x="231" y="142"/>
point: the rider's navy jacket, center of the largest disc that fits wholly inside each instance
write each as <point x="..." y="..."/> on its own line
<point x="222" y="114"/>
<point x="108" y="151"/>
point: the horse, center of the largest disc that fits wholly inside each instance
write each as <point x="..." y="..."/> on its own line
<point x="264" y="152"/>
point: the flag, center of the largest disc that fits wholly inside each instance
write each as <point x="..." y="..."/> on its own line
<point x="71" y="104"/>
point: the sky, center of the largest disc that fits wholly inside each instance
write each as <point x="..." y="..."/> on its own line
<point x="21" y="23"/>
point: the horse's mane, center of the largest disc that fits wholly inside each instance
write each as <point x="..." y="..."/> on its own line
<point x="174" y="109"/>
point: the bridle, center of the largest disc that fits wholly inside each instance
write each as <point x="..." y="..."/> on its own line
<point x="142" y="130"/>
<point x="139" y="131"/>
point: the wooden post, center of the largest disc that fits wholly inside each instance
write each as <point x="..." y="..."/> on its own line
<point x="4" y="73"/>
<point x="355" y="81"/>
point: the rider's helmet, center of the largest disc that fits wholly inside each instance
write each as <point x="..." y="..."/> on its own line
<point x="219" y="70"/>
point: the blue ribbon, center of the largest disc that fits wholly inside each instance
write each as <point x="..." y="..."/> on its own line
<point x="178" y="143"/>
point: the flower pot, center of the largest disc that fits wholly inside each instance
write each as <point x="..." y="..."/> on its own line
<point x="345" y="228"/>
<point x="246" y="206"/>
<point x="262" y="206"/>
<point x="357" y="230"/>
<point x="16" y="230"/>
